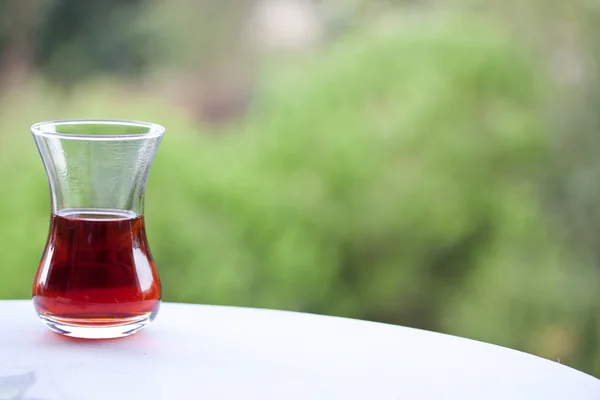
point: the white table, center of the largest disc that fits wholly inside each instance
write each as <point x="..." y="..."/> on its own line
<point x="207" y="352"/>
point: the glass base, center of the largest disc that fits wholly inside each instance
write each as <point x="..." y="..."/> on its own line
<point x="97" y="328"/>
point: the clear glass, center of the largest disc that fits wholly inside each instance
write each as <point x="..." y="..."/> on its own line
<point x="97" y="278"/>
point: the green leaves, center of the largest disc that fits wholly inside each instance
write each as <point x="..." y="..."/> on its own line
<point x="393" y="177"/>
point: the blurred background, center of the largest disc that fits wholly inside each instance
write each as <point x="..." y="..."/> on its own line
<point x="432" y="164"/>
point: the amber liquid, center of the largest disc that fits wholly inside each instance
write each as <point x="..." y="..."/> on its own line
<point x="97" y="270"/>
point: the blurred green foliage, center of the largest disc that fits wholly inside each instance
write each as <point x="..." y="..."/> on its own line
<point x="78" y="39"/>
<point x="395" y="175"/>
<point x="438" y="171"/>
<point x="72" y="40"/>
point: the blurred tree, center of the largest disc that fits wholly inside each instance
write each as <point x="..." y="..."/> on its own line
<point x="434" y="172"/>
<point x="566" y="35"/>
<point x="19" y="20"/>
<point x="208" y="52"/>
<point x="80" y="38"/>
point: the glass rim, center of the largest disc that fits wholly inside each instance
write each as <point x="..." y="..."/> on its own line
<point x="49" y="129"/>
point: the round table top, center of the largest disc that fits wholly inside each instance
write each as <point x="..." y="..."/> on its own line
<point x="211" y="352"/>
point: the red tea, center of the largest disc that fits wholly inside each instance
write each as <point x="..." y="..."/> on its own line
<point x="97" y="270"/>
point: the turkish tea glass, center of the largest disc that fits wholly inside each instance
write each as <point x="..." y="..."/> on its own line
<point x="97" y="278"/>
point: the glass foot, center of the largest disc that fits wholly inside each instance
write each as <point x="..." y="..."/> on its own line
<point x="97" y="328"/>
